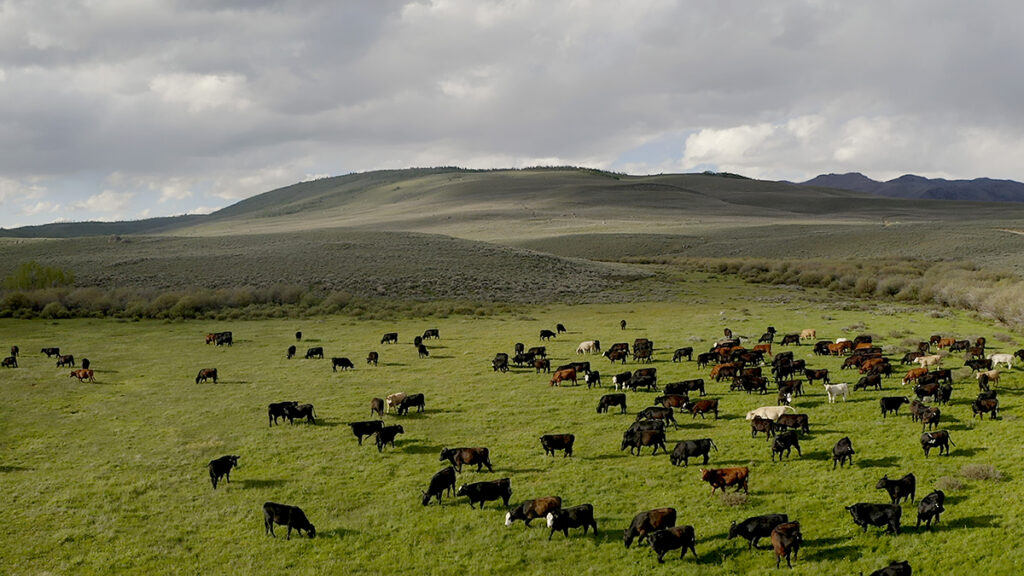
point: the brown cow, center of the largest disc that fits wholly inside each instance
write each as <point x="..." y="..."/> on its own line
<point x="82" y="374"/>
<point x="562" y="375"/>
<point x="542" y="364"/>
<point x="766" y="348"/>
<point x="725" y="477"/>
<point x="531" y="509"/>
<point x="786" y="541"/>
<point x="913" y="374"/>
<point x="945" y="342"/>
<point x="840" y="348"/>
<point x="647" y="522"/>
<point x="702" y="406"/>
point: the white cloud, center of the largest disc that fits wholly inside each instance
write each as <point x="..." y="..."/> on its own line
<point x="202" y="210"/>
<point x="199" y="92"/>
<point x="39" y="208"/>
<point x="107" y="201"/>
<point x="12" y="189"/>
<point x="176" y="189"/>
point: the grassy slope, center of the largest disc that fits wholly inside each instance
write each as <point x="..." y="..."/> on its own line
<point x="111" y="477"/>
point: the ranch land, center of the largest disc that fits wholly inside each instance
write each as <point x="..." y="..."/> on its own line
<point x="111" y="476"/>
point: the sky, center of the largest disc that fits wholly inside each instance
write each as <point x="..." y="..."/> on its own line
<point x="128" y="109"/>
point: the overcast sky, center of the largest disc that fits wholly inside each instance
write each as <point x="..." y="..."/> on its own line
<point x="124" y="109"/>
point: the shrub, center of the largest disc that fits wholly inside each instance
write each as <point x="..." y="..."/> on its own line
<point x="949" y="484"/>
<point x="32" y="275"/>
<point x="981" y="472"/>
<point x="734" y="499"/>
<point x="54" y="310"/>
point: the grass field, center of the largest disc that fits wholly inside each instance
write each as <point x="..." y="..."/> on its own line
<point x="111" y="477"/>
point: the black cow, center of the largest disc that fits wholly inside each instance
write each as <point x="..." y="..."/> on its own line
<point x="540" y="351"/>
<point x="222" y="467"/>
<point x="51" y="352"/>
<point x="500" y="362"/>
<point x="795" y="421"/>
<point x="366" y="428"/>
<point x="687" y="449"/>
<point x="560" y="328"/>
<point x="647" y="522"/>
<point x="841" y="452"/>
<point x="377" y="405"/>
<point x="278" y="410"/>
<point x="622" y="379"/>
<point x="523" y="358"/>
<point x="459" y="456"/>
<point x="592" y="379"/>
<point x="662" y="541"/>
<point x="657" y="413"/>
<point x="813" y="375"/>
<point x="300" y="411"/>
<point x="443" y="481"/>
<point x="686" y="386"/>
<point x="939" y="439"/>
<point x="552" y="442"/>
<point x="783" y="442"/>
<point x="642" y="381"/>
<point x="979" y="364"/>
<point x="609" y="400"/>
<point x="703" y="360"/>
<point x="790" y="339"/>
<point x="9" y="362"/>
<point x="291" y="516"/>
<point x="417" y="341"/>
<point x="386" y="435"/>
<point x="637" y="439"/>
<point x="486" y="491"/>
<point x="622" y="324"/>
<point x="389" y="338"/>
<point x="680" y="353"/>
<point x="983" y="405"/>
<point x="15" y="351"/>
<point x="65" y="360"/>
<point x="372" y="358"/>
<point x="86" y="363"/>
<point x="874" y="380"/>
<point x="756" y="527"/>
<point x="930" y="418"/>
<point x="298" y="336"/>
<point x="546" y="334"/>
<point x="207" y="374"/>
<point x="765" y="425"/>
<point x="892" y="404"/>
<point x="291" y="352"/>
<point x="410" y="401"/>
<point x="581" y="516"/>
<point x="315" y="352"/>
<point x="930" y="507"/>
<point x="894" y="569"/>
<point x="888" y="515"/>
<point x="422" y="351"/>
<point x="431" y="333"/>
<point x="343" y="363"/>
<point x="544" y="364"/>
<point x="898" y="489"/>
<point x="224" y="338"/>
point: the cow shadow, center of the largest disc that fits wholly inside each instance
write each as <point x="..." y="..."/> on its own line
<point x="886" y="462"/>
<point x="607" y="456"/>
<point x="260" y="483"/>
<point x="441" y="357"/>
<point x="15" y="469"/>
<point x="985" y="521"/>
<point x="818" y="455"/>
<point x="393" y="364"/>
<point x="807" y="403"/>
<point x="413" y="447"/>
<point x="219" y="382"/>
<point x="818" y="552"/>
<point x="968" y="452"/>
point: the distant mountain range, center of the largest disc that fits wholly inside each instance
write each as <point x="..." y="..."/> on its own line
<point x="910" y="186"/>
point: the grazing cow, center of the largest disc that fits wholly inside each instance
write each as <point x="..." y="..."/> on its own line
<point x="486" y="491"/>
<point x="898" y="489"/>
<point x="441" y="482"/>
<point x="9" y="362"/>
<point x="696" y="384"/>
<point x="419" y="340"/>
<point x="365" y="428"/>
<point x="315" y="352"/>
<point x="299" y="411"/>
<point x="500" y="362"/>
<point x="794" y="421"/>
<point x="298" y="336"/>
<point x="389" y="338"/>
<point x="207" y="374"/>
<point x="371" y="358"/>
<point x="65" y="360"/>
<point x="939" y="439"/>
<point x="930" y="507"/>
<point x="15" y="351"/>
<point x="343" y="363"/>
<point x="979" y="364"/>
<point x="701" y="407"/>
<point x="542" y="365"/>
<point x="657" y="413"/>
<point x="910" y="357"/>
<point x="917" y="408"/>
<point x="422" y="351"/>
<point x="560" y="328"/>
<point x="765" y="425"/>
<point x="835" y="390"/>
<point x="681" y="353"/>
<point x="914" y="374"/>
<point x="704" y="359"/>
<point x="410" y="401"/>
<point x="873" y="380"/>
<point x="616" y="356"/>
<point x="622" y="380"/>
<point x="393" y="400"/>
<point x="530" y="509"/>
<point x="840" y="347"/>
<point x="989" y="377"/>
<point x="431" y="334"/>
<point x="291" y="352"/>
<point x="582" y="367"/>
<point x="790" y="339"/>
<point x="377" y="406"/>
<point x="674" y="538"/>
<point x="541" y="351"/>
<point x="786" y="541"/>
<point x="645" y="523"/>
<point x="291" y="516"/>
<point x="821" y="348"/>
<point x="642" y="380"/>
<point x="687" y="449"/>
<point x="929" y="361"/>
<point x="563" y="375"/>
<point x="51" y="352"/>
<point x="279" y="410"/>
<point x="387" y="434"/>
<point x="926" y="390"/>
<point x="892" y="404"/>
<point x="523" y="358"/>
<point x="609" y="400"/>
<point x="894" y="569"/>
<point x="224" y="338"/>
<point x="813" y="375"/>
<point x="982" y="405"/>
<point x="770" y="412"/>
<point x="637" y="439"/>
<point x="808" y="334"/>
<point x="589" y="347"/>
<point x="750" y="384"/>
<point x="888" y="515"/>
<point x="767" y="337"/>
<point x="459" y="456"/>
<point x="672" y="400"/>
<point x="592" y="379"/>
<point x="222" y="467"/>
<point x="581" y="516"/>
<point x="552" y="442"/>
<point x="842" y="452"/>
<point x="756" y="527"/>
<point x="997" y="359"/>
<point x="546" y="334"/>
<point x="784" y="442"/>
<point x="83" y="374"/>
<point x="643" y="355"/>
<point x="725" y="477"/>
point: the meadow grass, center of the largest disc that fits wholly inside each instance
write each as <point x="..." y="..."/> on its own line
<point x="111" y="477"/>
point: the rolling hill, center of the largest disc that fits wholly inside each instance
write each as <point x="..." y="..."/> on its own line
<point x="910" y="186"/>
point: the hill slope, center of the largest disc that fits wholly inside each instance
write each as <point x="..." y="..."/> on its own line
<point x="910" y="186"/>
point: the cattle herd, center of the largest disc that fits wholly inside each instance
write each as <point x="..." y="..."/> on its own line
<point x="746" y="370"/>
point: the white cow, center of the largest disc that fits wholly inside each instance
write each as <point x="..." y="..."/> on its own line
<point x="928" y="361"/>
<point x="588" y="347"/>
<point x="834" y="390"/>
<point x="770" y="412"/>
<point x="841" y="340"/>
<point x="393" y="400"/>
<point x="1002" y="359"/>
<point x="992" y="375"/>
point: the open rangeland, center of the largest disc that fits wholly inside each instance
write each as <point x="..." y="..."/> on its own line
<point x="111" y="476"/>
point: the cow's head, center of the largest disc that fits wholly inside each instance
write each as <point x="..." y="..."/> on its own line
<point x="732" y="530"/>
<point x="446" y="454"/>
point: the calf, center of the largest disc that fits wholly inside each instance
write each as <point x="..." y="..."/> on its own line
<point x="609" y="400"/>
<point x="343" y="363"/>
<point x="621" y="380"/>
<point x="930" y="507"/>
<point x="222" y="467"/>
<point x="701" y="407"/>
<point x="894" y="569"/>
<point x="291" y="352"/>
<point x="687" y="449"/>
<point x="681" y="353"/>
<point x="835" y="390"/>
<point x="410" y="401"/>
<point x="939" y="439"/>
<point x="841" y="452"/>
<point x="786" y="541"/>
<point x="547" y="334"/>
<point x="441" y="482"/>
<point x="372" y="358"/>
<point x="756" y="527"/>
<point x="784" y="442"/>
<point x="387" y="434"/>
<point x="725" y="477"/>
<point x="657" y="413"/>
<point x="892" y="404"/>
<point x="552" y="442"/>
<point x="82" y="374"/>
<point x="207" y="374"/>
<point x="459" y="456"/>
<point x="796" y="421"/>
<point x="592" y="379"/>
<point x="888" y="515"/>
<point x="930" y="418"/>
<point x="393" y="400"/>
<point x="278" y="410"/>
<point x="9" y="362"/>
<point x="291" y="516"/>
<point x="765" y="425"/>
<point x="377" y="406"/>
<point x="898" y="489"/>
<point x="542" y="365"/>
<point x="299" y="411"/>
<point x="581" y="516"/>
<point x="366" y="428"/>
<point x="674" y="538"/>
<point x="486" y="491"/>
<point x="637" y="439"/>
<point x="672" y="400"/>
<point x="647" y="522"/>
<point x="537" y="508"/>
<point x="315" y="352"/>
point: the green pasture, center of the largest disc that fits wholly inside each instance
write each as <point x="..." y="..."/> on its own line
<point x="111" y="477"/>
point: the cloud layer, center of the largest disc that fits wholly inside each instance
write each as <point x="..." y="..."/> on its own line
<point x="118" y="109"/>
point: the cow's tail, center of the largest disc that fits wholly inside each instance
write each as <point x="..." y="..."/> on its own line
<point x="790" y="408"/>
<point x="951" y="441"/>
<point x="713" y="444"/>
